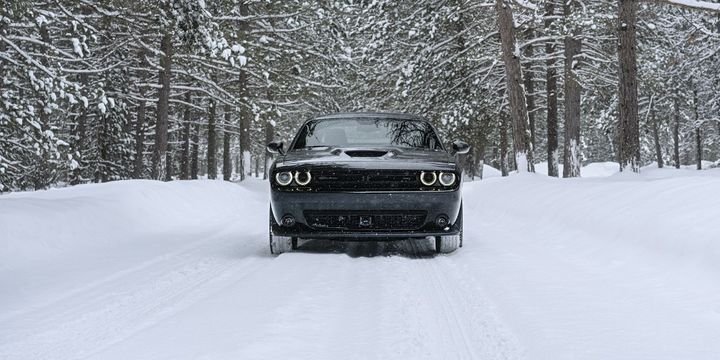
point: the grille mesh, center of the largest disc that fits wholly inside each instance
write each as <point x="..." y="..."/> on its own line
<point x="368" y="180"/>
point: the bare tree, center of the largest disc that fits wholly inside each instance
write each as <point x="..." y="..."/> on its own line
<point x="515" y="91"/>
<point x="571" y="149"/>
<point x="656" y="136"/>
<point x="161" y="127"/>
<point x="194" y="152"/>
<point x="698" y="137"/>
<point x="211" y="143"/>
<point x="529" y="83"/>
<point x="227" y="134"/>
<point x="629" y="152"/>
<point x="187" y="126"/>
<point x="551" y="89"/>
<point x="676" y="131"/>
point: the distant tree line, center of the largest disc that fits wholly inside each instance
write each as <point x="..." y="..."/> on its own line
<point x="95" y="91"/>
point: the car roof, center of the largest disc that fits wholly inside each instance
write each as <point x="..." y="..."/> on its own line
<point x="355" y="115"/>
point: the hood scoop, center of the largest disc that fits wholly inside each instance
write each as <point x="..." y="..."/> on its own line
<point x="366" y="153"/>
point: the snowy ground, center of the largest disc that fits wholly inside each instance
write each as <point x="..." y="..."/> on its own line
<point x="618" y="267"/>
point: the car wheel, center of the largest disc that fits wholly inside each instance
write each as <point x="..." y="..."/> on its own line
<point x="446" y="244"/>
<point x="279" y="244"/>
<point x="460" y="224"/>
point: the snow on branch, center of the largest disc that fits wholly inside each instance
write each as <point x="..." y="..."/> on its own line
<point x="692" y="4"/>
<point x="527" y="5"/>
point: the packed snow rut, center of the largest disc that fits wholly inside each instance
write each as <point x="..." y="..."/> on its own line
<point x="389" y="301"/>
<point x="363" y="300"/>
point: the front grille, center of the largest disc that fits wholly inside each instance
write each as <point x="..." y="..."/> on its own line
<point x="329" y="180"/>
<point x="365" y="221"/>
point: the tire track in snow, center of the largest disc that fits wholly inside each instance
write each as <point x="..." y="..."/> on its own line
<point x="471" y="324"/>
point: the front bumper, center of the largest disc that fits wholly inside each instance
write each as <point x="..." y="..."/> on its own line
<point x="435" y="203"/>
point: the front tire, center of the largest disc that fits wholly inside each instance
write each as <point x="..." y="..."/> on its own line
<point x="446" y="244"/>
<point x="279" y="244"/>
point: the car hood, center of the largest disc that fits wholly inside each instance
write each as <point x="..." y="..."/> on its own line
<point x="369" y="158"/>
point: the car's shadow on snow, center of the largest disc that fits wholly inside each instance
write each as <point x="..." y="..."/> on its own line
<point x="411" y="248"/>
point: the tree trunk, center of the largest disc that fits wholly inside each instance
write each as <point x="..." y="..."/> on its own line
<point x="629" y="152"/>
<point x="571" y="149"/>
<point x="187" y="125"/>
<point x="698" y="138"/>
<point x="2" y="50"/>
<point x="269" y="135"/>
<point x="479" y="160"/>
<point x="656" y="138"/>
<point x="698" y="146"/>
<point x="515" y="91"/>
<point x="82" y="118"/>
<point x="161" y="127"/>
<point x="211" y="145"/>
<point x="169" y="165"/>
<point x="676" y="133"/>
<point x="102" y="134"/>
<point x="80" y="133"/>
<point x="42" y="175"/>
<point x="504" y="168"/>
<point x="551" y="89"/>
<point x="194" y="152"/>
<point x="245" y="120"/>
<point x="530" y="88"/>
<point x="139" y="168"/>
<point x="227" y="163"/>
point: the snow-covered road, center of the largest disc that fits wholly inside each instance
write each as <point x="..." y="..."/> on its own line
<point x="624" y="267"/>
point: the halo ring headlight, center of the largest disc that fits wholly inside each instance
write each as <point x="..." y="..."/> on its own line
<point x="305" y="181"/>
<point x="446" y="179"/>
<point x="428" y="178"/>
<point x="283" y="178"/>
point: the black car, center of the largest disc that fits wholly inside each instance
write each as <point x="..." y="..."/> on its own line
<point x="366" y="176"/>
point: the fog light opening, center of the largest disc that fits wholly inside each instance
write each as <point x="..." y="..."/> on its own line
<point x="287" y="221"/>
<point x="442" y="221"/>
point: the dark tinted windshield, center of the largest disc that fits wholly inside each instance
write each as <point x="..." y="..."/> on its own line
<point x="367" y="132"/>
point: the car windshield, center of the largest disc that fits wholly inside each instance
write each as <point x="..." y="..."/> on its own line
<point x="375" y="132"/>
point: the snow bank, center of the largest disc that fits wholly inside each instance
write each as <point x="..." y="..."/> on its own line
<point x="622" y="267"/>
<point x="663" y="210"/>
<point x="48" y="224"/>
<point x="596" y="169"/>
<point x="61" y="239"/>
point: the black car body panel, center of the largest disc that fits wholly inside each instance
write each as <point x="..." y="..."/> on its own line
<point x="365" y="192"/>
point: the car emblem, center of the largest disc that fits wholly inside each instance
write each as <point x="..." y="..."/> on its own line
<point x="365" y="221"/>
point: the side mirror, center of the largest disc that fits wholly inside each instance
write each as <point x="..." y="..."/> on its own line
<point x="460" y="147"/>
<point x="276" y="147"/>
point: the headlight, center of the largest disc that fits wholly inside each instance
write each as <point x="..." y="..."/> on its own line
<point x="302" y="178"/>
<point x="446" y="179"/>
<point x="284" y="178"/>
<point x="428" y="178"/>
